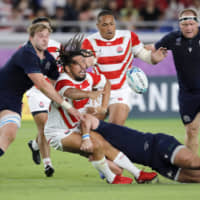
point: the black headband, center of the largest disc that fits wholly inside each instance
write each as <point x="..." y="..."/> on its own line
<point x="188" y="18"/>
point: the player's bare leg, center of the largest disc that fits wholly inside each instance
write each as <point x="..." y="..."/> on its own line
<point x="118" y="113"/>
<point x="192" y="132"/>
<point x="185" y="158"/>
<point x="40" y="145"/>
<point x="73" y="142"/>
<point x="8" y="129"/>
<point x="189" y="176"/>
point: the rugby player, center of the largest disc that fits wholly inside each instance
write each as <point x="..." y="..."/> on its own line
<point x="114" y="51"/>
<point x="185" y="47"/>
<point x="25" y="68"/>
<point x="39" y="104"/>
<point x="162" y="152"/>
<point x="62" y="131"/>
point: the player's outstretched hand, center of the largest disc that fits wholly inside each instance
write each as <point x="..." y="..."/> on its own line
<point x="72" y="111"/>
<point x="94" y="95"/>
<point x="87" y="146"/>
<point x="158" y="55"/>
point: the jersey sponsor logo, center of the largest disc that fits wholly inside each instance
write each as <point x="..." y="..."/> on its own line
<point x="178" y="41"/>
<point x="41" y="104"/>
<point x="146" y="146"/>
<point x="190" y="49"/>
<point x="186" y="118"/>
<point x="170" y="174"/>
<point x="47" y="65"/>
<point x="120" y="99"/>
<point x="119" y="49"/>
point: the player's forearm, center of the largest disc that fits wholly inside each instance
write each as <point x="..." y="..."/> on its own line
<point x="49" y="91"/>
<point x="76" y="94"/>
<point x="106" y="95"/>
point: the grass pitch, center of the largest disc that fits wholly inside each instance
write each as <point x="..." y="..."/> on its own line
<point x="76" y="179"/>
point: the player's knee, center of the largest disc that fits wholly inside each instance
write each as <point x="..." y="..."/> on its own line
<point x="192" y="131"/>
<point x="96" y="146"/>
<point x="10" y="119"/>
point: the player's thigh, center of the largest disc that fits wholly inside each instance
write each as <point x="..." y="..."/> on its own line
<point x="40" y="119"/>
<point x="189" y="175"/>
<point x="118" y="113"/>
<point x="194" y="125"/>
<point x="72" y="143"/>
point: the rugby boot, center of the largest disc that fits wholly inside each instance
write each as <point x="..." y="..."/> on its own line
<point x="122" y="180"/>
<point x="146" y="177"/>
<point x="49" y="170"/>
<point x="35" y="153"/>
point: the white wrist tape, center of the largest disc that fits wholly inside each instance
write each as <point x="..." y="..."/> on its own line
<point x="66" y="105"/>
<point x="145" y="55"/>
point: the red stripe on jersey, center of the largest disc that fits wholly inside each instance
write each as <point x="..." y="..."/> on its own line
<point x="80" y="103"/>
<point x="60" y="84"/>
<point x="52" y="49"/>
<point x="134" y="39"/>
<point x="95" y="77"/>
<point x="65" y="119"/>
<point x="87" y="45"/>
<point x="117" y="73"/>
<point x="118" y="85"/>
<point x="114" y="59"/>
<point x="109" y="43"/>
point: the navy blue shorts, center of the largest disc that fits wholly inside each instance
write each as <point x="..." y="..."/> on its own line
<point x="153" y="150"/>
<point x="189" y="105"/>
<point x="13" y="104"/>
<point x="165" y="147"/>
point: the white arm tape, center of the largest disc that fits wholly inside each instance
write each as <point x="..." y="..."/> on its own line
<point x="145" y="55"/>
<point x="66" y="105"/>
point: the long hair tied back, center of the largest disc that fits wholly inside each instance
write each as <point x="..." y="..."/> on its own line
<point x="72" y="48"/>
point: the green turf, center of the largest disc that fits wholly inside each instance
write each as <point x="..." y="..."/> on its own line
<point x="75" y="178"/>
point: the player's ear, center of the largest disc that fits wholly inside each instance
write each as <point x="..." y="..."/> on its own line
<point x="67" y="69"/>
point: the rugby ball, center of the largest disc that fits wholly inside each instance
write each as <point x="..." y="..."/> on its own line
<point x="137" y="80"/>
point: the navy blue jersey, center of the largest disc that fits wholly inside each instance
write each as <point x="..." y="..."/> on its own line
<point x="153" y="150"/>
<point x="13" y="75"/>
<point x="186" y="57"/>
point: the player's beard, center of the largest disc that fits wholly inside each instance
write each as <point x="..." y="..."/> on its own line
<point x="78" y="78"/>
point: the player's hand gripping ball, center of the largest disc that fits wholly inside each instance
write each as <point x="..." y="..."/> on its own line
<point x="137" y="80"/>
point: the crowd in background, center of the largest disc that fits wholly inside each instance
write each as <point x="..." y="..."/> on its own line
<point x="127" y="11"/>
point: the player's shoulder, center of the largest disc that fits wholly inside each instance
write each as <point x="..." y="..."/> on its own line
<point x="54" y="43"/>
<point x="63" y="76"/>
<point x="173" y="35"/>
<point x="93" y="36"/>
<point x="123" y="33"/>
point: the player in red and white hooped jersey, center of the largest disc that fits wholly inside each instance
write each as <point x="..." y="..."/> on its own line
<point x="61" y="130"/>
<point x="81" y="99"/>
<point x="38" y="105"/>
<point x="115" y="51"/>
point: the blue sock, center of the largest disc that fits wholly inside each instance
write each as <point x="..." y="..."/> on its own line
<point x="1" y="152"/>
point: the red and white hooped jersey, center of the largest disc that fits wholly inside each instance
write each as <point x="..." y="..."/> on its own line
<point x="114" y="56"/>
<point x="58" y="118"/>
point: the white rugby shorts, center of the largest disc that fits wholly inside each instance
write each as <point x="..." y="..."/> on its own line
<point x="37" y="101"/>
<point x="122" y="95"/>
<point x="54" y="137"/>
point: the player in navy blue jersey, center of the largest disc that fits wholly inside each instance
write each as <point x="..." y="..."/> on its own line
<point x="26" y="67"/>
<point x="161" y="152"/>
<point x="185" y="47"/>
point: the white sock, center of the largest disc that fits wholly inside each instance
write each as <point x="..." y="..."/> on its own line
<point x="102" y="166"/>
<point x="47" y="161"/>
<point x="123" y="161"/>
<point x="35" y="145"/>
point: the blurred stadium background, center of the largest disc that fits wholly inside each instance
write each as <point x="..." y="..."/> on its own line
<point x="150" y="19"/>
